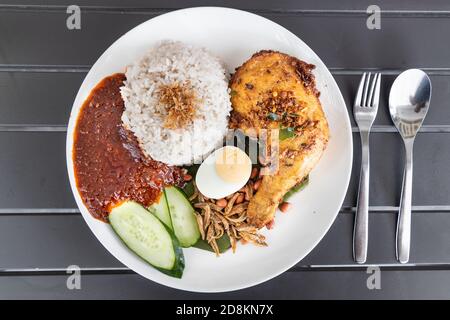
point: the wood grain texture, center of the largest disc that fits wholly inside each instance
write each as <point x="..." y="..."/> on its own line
<point x="49" y="97"/>
<point x="33" y="165"/>
<point x="279" y="5"/>
<point x="341" y="41"/>
<point x="42" y="65"/>
<point x="47" y="242"/>
<point x="290" y="285"/>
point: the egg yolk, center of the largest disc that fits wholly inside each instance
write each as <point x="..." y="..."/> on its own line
<point x="232" y="164"/>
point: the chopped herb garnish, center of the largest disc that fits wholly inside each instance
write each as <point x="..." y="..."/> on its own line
<point x="273" y="116"/>
<point x="233" y="93"/>
<point x="286" y="133"/>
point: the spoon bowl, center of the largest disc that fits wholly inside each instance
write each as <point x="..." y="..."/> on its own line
<point x="409" y="101"/>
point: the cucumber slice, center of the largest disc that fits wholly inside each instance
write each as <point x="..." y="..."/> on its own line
<point x="161" y="211"/>
<point x="146" y="236"/>
<point x="183" y="218"/>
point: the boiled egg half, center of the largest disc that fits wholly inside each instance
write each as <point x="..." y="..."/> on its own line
<point x="223" y="172"/>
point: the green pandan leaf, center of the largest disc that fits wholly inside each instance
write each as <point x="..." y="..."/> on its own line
<point x="223" y="243"/>
<point x="296" y="188"/>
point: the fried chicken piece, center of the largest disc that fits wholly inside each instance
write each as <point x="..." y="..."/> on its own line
<point x="273" y="90"/>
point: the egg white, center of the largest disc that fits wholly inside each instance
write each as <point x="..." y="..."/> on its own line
<point x="211" y="185"/>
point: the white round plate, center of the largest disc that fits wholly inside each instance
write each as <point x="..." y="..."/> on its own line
<point x="234" y="36"/>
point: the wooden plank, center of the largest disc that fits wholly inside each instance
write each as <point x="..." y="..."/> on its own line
<point x="48" y="242"/>
<point x="33" y="168"/>
<point x="42" y="38"/>
<point x="431" y="152"/>
<point x="280" y="5"/>
<point x="438" y="114"/>
<point x="293" y="285"/>
<point x="32" y="164"/>
<point x="37" y="98"/>
<point x="426" y="246"/>
<point x="46" y="98"/>
<point x="33" y="171"/>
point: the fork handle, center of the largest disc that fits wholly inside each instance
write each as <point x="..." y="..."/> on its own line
<point x="404" y="216"/>
<point x="361" y="228"/>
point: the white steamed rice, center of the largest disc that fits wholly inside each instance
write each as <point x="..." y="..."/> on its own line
<point x="175" y="62"/>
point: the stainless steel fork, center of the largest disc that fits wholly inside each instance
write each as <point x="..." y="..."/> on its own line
<point x="364" y="110"/>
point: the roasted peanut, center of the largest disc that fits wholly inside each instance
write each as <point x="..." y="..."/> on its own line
<point x="270" y="224"/>
<point x="285" y="207"/>
<point x="257" y="184"/>
<point x="240" y="198"/>
<point x="254" y="173"/>
<point x="221" y="203"/>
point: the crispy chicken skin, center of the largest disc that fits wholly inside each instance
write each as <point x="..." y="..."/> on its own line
<point x="273" y="90"/>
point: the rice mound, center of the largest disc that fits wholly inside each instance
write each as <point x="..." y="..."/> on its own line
<point x="175" y="62"/>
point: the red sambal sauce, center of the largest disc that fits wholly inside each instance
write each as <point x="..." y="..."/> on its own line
<point x="109" y="165"/>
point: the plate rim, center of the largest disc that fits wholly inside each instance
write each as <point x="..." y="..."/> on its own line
<point x="90" y="220"/>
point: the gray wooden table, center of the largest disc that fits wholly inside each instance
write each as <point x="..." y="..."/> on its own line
<point x="42" y="64"/>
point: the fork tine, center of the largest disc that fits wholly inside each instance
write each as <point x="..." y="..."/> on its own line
<point x="358" y="99"/>
<point x="376" y="95"/>
<point x="366" y="91"/>
<point x="372" y="97"/>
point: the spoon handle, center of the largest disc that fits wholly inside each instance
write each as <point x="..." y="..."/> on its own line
<point x="361" y="228"/>
<point x="404" y="216"/>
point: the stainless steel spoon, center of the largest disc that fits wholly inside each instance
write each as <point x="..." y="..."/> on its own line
<point x="409" y="100"/>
